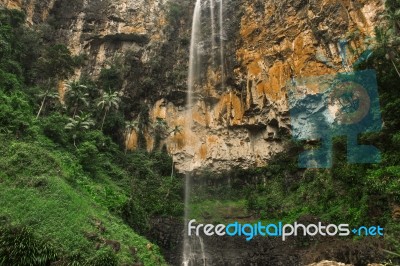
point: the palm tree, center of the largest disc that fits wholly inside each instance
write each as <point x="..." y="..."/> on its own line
<point x="77" y="94"/>
<point x="143" y="125"/>
<point x="160" y="128"/>
<point x="46" y="95"/>
<point x="79" y="123"/>
<point x="176" y="130"/>
<point x="108" y="101"/>
<point x="129" y="126"/>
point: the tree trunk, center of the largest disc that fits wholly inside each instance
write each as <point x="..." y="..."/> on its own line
<point x="76" y="108"/>
<point x="42" y="105"/>
<point x="398" y="73"/>
<point x="172" y="168"/>
<point x="104" y="118"/>
<point x="74" y="137"/>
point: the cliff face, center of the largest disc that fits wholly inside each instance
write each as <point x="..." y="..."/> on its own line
<point x="267" y="43"/>
<point x="36" y="11"/>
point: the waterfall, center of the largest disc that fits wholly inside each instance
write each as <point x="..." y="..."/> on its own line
<point x="194" y="58"/>
<point x="196" y="255"/>
<point x="213" y="35"/>
<point x="186" y="240"/>
<point x="193" y="247"/>
<point x="221" y="41"/>
<point x="203" y="253"/>
<point x="193" y="76"/>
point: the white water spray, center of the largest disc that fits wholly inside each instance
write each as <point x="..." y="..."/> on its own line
<point x="194" y="59"/>
<point x="203" y="253"/>
<point x="213" y="34"/>
<point x="194" y="65"/>
<point x="193" y="247"/>
<point x="221" y="41"/>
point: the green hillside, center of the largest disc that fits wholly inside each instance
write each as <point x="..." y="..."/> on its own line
<point x="69" y="193"/>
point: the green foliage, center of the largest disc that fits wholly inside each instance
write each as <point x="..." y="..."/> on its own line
<point x="9" y="82"/>
<point x="12" y="17"/>
<point x="155" y="186"/>
<point x="56" y="61"/>
<point x="27" y="161"/>
<point x="48" y="98"/>
<point x="88" y="156"/>
<point x="78" y="125"/>
<point x="15" y="113"/>
<point x="392" y="236"/>
<point x="77" y="96"/>
<point x="10" y="21"/>
<point x="385" y="181"/>
<point x="20" y="247"/>
<point x="68" y="186"/>
<point x="53" y="128"/>
<point x="143" y="123"/>
<point x="160" y="131"/>
<point x="110" y="78"/>
<point x="108" y="101"/>
<point x="30" y="49"/>
<point x="135" y="216"/>
<point x="71" y="186"/>
<point x="104" y="257"/>
<point x="63" y="201"/>
<point x="175" y="11"/>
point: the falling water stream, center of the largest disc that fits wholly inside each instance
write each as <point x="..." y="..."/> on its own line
<point x="193" y="247"/>
<point x="221" y="41"/>
<point x="194" y="65"/>
<point x="213" y="34"/>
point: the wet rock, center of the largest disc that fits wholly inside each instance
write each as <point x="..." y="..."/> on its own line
<point x="237" y="121"/>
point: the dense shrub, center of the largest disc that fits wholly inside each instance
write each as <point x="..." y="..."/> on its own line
<point x="19" y="246"/>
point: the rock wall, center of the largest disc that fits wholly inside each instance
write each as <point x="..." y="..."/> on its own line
<point x="267" y="44"/>
<point x="36" y="11"/>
